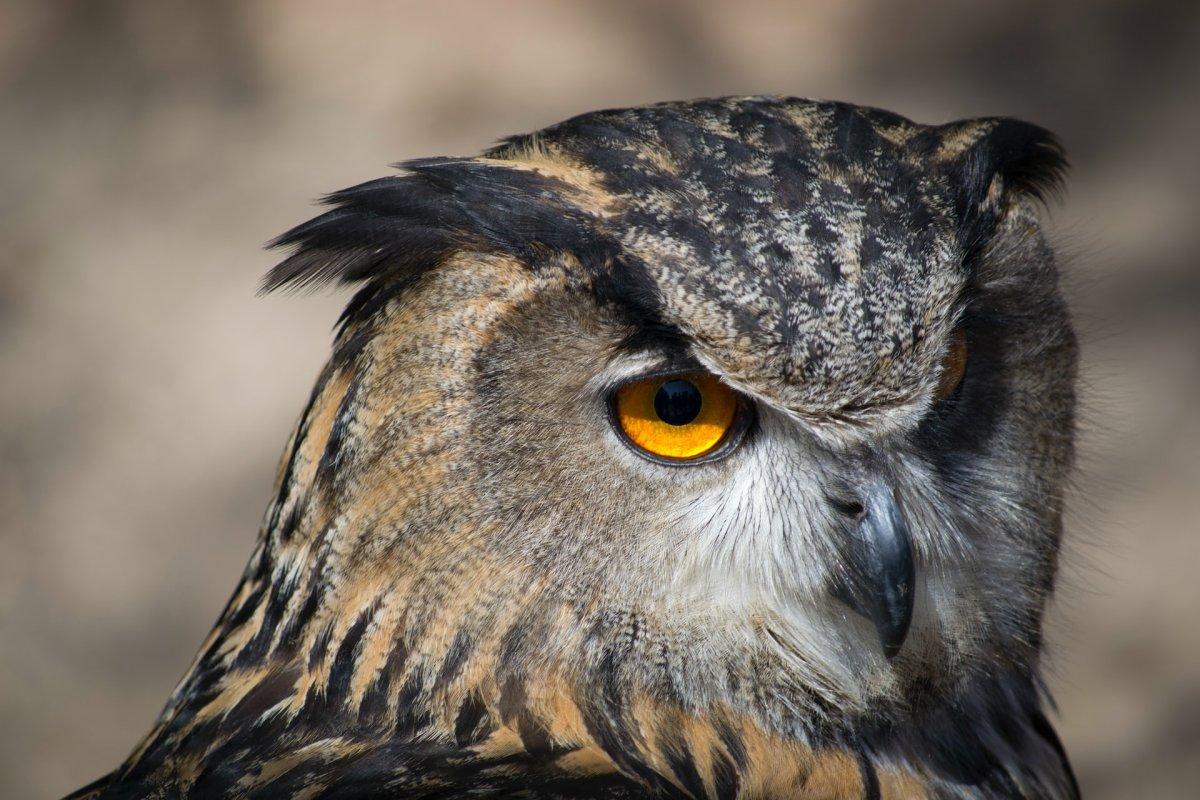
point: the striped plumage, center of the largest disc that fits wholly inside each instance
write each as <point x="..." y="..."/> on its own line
<point x="466" y="586"/>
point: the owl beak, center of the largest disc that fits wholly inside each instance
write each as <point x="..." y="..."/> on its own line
<point x="882" y="576"/>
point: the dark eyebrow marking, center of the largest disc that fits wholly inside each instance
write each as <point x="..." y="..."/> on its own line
<point x="655" y="337"/>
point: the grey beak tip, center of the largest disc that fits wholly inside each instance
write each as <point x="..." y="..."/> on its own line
<point x="894" y="629"/>
<point x="882" y="572"/>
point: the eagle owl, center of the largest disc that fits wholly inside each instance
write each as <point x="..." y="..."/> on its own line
<point x="710" y="449"/>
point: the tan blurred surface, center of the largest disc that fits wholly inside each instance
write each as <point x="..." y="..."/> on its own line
<point x="147" y="149"/>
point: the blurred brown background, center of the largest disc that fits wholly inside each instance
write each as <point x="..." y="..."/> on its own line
<point x="148" y="148"/>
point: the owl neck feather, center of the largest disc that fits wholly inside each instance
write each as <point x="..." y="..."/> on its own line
<point x="360" y="706"/>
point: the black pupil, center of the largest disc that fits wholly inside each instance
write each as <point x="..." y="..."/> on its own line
<point x="677" y="402"/>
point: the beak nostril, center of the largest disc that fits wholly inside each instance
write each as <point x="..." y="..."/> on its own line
<point x="851" y="508"/>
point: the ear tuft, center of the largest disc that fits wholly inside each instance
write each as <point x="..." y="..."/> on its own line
<point x="394" y="228"/>
<point x="990" y="162"/>
<point x="390" y="225"/>
<point x="1029" y="159"/>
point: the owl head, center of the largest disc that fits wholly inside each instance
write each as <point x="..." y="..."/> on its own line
<point x="724" y="442"/>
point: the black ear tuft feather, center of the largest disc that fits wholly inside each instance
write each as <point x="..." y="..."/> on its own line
<point x="1034" y="161"/>
<point x="399" y="226"/>
<point x="1028" y="158"/>
<point x="1009" y="158"/>
<point x="395" y="224"/>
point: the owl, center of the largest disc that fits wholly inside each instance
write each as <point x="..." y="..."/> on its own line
<point x="706" y="450"/>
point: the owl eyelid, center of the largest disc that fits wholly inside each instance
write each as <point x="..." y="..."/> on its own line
<point x="668" y="366"/>
<point x="655" y="374"/>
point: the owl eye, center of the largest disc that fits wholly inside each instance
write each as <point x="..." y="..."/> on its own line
<point x="954" y="364"/>
<point x="679" y="418"/>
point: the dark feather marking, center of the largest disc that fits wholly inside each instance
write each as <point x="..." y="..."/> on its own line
<point x="277" y="600"/>
<point x="725" y="776"/>
<point x="320" y="646"/>
<point x="528" y="627"/>
<point x="605" y="718"/>
<point x="870" y="778"/>
<point x="271" y="690"/>
<point x="346" y="657"/>
<point x="514" y="711"/>
<point x="373" y="710"/>
<point x="731" y="740"/>
<point x="456" y="657"/>
<point x="681" y="761"/>
<point x="288" y="527"/>
<point x="332" y="455"/>
<point x="245" y="610"/>
<point x="472" y="723"/>
<point x="412" y="712"/>
<point x="353" y="338"/>
<point x="298" y="623"/>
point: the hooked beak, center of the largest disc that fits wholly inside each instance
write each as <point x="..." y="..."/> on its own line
<point x="881" y="575"/>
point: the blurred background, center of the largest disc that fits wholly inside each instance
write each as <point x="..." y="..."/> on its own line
<point x="147" y="149"/>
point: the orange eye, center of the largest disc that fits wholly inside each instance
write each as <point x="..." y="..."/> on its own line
<point x="954" y="364"/>
<point x="677" y="417"/>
